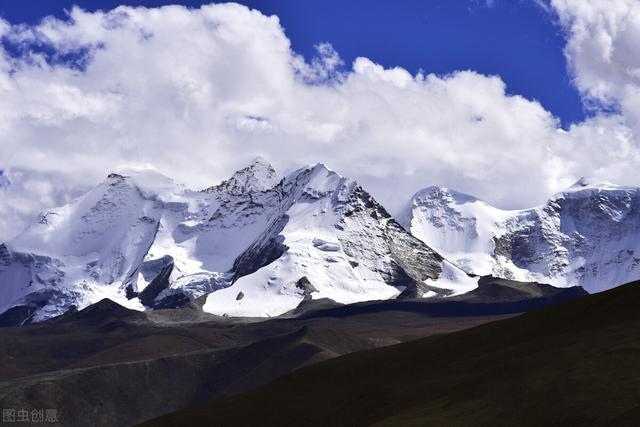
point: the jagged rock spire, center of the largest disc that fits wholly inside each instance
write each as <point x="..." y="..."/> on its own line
<point x="259" y="175"/>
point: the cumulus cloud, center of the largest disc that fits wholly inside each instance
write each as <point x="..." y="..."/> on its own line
<point x="603" y="52"/>
<point x="198" y="92"/>
<point x="603" y="48"/>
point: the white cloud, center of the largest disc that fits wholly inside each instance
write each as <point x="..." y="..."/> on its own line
<point x="603" y="51"/>
<point x="197" y="92"/>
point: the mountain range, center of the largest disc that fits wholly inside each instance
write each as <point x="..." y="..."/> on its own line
<point x="585" y="236"/>
<point x="257" y="245"/>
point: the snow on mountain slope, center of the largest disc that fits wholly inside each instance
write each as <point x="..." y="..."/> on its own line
<point x="458" y="226"/>
<point x="260" y="244"/>
<point x="334" y="241"/>
<point x="137" y="239"/>
<point x="587" y="235"/>
<point x="72" y="253"/>
<point x="203" y="242"/>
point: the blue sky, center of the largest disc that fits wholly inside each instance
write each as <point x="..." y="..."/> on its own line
<point x="516" y="39"/>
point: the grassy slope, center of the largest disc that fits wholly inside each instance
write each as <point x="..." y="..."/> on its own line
<point x="572" y="364"/>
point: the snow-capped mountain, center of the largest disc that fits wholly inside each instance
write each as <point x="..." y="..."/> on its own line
<point x="258" y="244"/>
<point x="328" y="238"/>
<point x="93" y="248"/>
<point x="586" y="236"/>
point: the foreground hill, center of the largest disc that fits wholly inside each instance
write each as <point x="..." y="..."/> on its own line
<point x="572" y="364"/>
<point x="135" y="366"/>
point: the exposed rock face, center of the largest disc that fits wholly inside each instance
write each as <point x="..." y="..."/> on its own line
<point x="267" y="248"/>
<point x="307" y="288"/>
<point x="586" y="236"/>
<point x="159" y="283"/>
<point x="410" y="264"/>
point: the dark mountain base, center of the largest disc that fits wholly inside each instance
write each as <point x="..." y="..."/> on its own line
<point x="18" y="315"/>
<point x="573" y="364"/>
<point x="109" y="366"/>
<point x="492" y="297"/>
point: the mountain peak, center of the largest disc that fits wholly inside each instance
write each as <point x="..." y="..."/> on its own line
<point x="440" y="193"/>
<point x="589" y="182"/>
<point x="322" y="169"/>
<point x="319" y="167"/>
<point x="316" y="177"/>
<point x="260" y="161"/>
<point x="258" y="176"/>
<point x="148" y="180"/>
